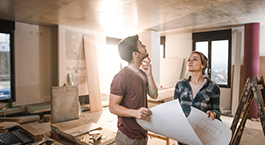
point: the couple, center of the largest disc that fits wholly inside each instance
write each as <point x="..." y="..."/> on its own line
<point x="129" y="89"/>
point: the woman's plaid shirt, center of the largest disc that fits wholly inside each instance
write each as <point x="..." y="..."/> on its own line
<point x="208" y="97"/>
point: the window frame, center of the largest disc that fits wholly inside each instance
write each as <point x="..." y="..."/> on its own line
<point x="8" y="27"/>
<point x="163" y="42"/>
<point x="215" y="36"/>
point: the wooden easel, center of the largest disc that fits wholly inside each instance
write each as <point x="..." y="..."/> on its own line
<point x="250" y="91"/>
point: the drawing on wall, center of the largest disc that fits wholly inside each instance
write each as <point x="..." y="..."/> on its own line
<point x="168" y="119"/>
<point x="74" y="45"/>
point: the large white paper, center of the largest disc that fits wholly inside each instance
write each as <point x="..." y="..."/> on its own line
<point x="168" y="119"/>
<point x="210" y="132"/>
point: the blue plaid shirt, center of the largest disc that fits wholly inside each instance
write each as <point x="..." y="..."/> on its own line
<point x="208" y="97"/>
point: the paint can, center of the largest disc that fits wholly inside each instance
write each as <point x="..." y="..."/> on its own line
<point x="71" y="80"/>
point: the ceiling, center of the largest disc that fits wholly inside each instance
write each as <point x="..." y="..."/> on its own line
<point x="125" y="16"/>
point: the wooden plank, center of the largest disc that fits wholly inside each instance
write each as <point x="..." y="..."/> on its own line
<point x="108" y="140"/>
<point x="11" y="119"/>
<point x="14" y="110"/>
<point x="159" y="137"/>
<point x="21" y="119"/>
<point x="54" y="143"/>
<point x="241" y="82"/>
<point x="72" y="130"/>
<point x="79" y="130"/>
<point x="92" y="73"/>
<point x="38" y="108"/>
<point x="6" y="125"/>
<point x="261" y="66"/>
<point x="60" y="127"/>
<point x="32" y="132"/>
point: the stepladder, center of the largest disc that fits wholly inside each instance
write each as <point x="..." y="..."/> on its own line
<point x="251" y="91"/>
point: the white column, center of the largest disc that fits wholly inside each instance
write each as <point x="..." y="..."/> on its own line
<point x="237" y="39"/>
<point x="152" y="41"/>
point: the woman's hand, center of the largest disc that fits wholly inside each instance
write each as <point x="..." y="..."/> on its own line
<point x="211" y="114"/>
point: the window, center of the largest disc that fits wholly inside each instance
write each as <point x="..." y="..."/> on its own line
<point x="112" y="61"/>
<point x="216" y="45"/>
<point x="162" y="46"/>
<point x="7" y="75"/>
<point x="112" y="48"/>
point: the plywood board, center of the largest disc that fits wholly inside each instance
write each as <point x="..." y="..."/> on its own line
<point x="12" y="111"/>
<point x="21" y="119"/>
<point x="6" y="125"/>
<point x="68" y="129"/>
<point x="32" y="132"/>
<point x="262" y="66"/>
<point x="38" y="108"/>
<point x="92" y="73"/>
<point x="82" y="129"/>
<point x="170" y="71"/>
<point x="64" y="103"/>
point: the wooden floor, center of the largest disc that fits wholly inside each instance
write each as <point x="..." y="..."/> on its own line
<point x="252" y="132"/>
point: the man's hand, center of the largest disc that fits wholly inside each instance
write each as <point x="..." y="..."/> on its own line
<point x="146" y="66"/>
<point x="211" y="114"/>
<point x="142" y="113"/>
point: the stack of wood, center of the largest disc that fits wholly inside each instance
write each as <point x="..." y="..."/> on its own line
<point x="4" y="126"/>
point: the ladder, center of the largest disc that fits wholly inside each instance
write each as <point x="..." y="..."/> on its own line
<point x="251" y="91"/>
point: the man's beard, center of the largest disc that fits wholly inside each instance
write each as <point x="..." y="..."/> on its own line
<point x="145" y="56"/>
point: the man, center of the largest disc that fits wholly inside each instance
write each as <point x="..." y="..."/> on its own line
<point x="129" y="89"/>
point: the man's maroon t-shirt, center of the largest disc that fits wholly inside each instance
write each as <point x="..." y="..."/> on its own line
<point x="132" y="85"/>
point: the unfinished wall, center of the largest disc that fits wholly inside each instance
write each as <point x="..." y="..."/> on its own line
<point x="35" y="63"/>
<point x="72" y="58"/>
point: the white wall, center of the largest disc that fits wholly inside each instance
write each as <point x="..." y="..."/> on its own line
<point x="179" y="46"/>
<point x="170" y="74"/>
<point x="237" y="61"/>
<point x="35" y="60"/>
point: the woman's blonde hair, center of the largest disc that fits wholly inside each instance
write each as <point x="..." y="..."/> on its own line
<point x="204" y="60"/>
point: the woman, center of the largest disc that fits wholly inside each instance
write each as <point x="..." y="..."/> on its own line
<point x="198" y="91"/>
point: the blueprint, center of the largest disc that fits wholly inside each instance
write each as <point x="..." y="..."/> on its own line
<point x="168" y="119"/>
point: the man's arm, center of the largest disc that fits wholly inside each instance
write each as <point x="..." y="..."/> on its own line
<point x="117" y="109"/>
<point x="152" y="89"/>
<point x="147" y="68"/>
